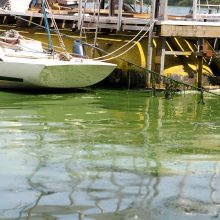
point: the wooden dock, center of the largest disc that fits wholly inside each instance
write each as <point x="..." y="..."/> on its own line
<point x="197" y="25"/>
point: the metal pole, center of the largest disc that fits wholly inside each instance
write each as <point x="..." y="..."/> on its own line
<point x="50" y="42"/>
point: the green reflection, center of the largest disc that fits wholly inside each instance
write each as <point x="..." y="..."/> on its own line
<point x="106" y="154"/>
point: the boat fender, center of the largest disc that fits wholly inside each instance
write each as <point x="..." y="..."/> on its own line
<point x="78" y="48"/>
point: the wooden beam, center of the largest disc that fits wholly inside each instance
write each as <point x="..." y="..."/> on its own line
<point x="162" y="56"/>
<point x="120" y="5"/>
<point x="178" y="53"/>
<point x="190" y="31"/>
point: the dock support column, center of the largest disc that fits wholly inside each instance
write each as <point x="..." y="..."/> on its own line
<point x="162" y="56"/>
<point x="141" y="6"/>
<point x="194" y="9"/>
<point x="112" y="4"/>
<point x="150" y="47"/>
<point x="80" y="15"/>
<point x="200" y="76"/>
<point x="200" y="62"/>
<point x="102" y="4"/>
<point x="120" y="5"/>
<point x="163" y="9"/>
<point x="157" y="8"/>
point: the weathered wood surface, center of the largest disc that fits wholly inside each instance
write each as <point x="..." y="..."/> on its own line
<point x="192" y="30"/>
<point x="183" y="26"/>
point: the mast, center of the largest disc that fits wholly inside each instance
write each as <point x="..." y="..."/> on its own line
<point x="50" y="42"/>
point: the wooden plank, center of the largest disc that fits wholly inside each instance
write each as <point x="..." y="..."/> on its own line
<point x="178" y="53"/>
<point x="190" y="31"/>
<point x="131" y="27"/>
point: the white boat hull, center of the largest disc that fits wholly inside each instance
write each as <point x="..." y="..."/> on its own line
<point x="51" y="73"/>
<point x="24" y="64"/>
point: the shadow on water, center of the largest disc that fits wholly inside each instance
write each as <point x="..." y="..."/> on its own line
<point x="41" y="91"/>
<point x="110" y="155"/>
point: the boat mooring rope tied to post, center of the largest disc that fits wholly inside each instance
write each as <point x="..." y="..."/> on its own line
<point x="171" y="85"/>
<point x="129" y="42"/>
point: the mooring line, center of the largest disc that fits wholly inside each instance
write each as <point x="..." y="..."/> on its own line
<point x="202" y="90"/>
<point x="159" y="75"/>
<point x="130" y="41"/>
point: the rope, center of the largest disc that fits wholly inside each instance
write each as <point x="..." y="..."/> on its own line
<point x="97" y="26"/>
<point x="83" y="18"/>
<point x="109" y="54"/>
<point x="136" y="42"/>
<point x="57" y="32"/>
<point x="37" y="25"/>
<point x="50" y="42"/>
<point x="162" y="76"/>
<point x="56" y="27"/>
<point x="180" y="82"/>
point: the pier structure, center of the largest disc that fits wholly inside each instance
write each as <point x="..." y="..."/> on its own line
<point x="199" y="29"/>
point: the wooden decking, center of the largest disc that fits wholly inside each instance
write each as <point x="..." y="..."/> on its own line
<point x="198" y="29"/>
<point x="206" y="26"/>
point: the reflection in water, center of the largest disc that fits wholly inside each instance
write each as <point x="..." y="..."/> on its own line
<point x="108" y="155"/>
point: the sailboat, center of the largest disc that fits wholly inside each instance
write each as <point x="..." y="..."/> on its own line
<point x="25" y="64"/>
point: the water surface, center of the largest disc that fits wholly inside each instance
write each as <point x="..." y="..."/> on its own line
<point x="108" y="154"/>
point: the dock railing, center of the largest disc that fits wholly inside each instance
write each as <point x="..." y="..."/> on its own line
<point x="207" y="12"/>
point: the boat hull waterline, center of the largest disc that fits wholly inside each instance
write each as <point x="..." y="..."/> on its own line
<point x="76" y="73"/>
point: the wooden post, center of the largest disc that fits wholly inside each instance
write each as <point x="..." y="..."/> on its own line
<point x="120" y="6"/>
<point x="194" y="9"/>
<point x="153" y="9"/>
<point x="162" y="56"/>
<point x="80" y="15"/>
<point x="163" y="9"/>
<point x="112" y="7"/>
<point x="102" y="4"/>
<point x="149" y="57"/>
<point x="135" y="4"/>
<point x="157" y="8"/>
<point x="150" y="47"/>
<point x="200" y="75"/>
<point x="200" y="62"/>
<point x="141" y="6"/>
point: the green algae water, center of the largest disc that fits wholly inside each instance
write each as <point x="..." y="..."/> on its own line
<point x="108" y="155"/>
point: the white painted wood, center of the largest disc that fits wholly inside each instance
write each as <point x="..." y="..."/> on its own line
<point x="189" y="23"/>
<point x="22" y="6"/>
